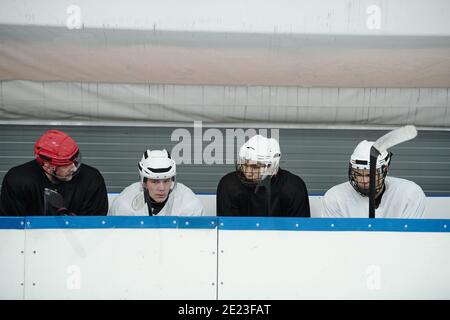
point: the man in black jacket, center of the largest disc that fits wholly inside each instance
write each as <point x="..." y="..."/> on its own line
<point x="55" y="183"/>
<point x="259" y="187"/>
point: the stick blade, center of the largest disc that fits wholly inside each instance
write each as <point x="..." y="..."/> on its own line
<point x="395" y="137"/>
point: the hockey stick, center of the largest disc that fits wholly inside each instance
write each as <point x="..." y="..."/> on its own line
<point x="387" y="141"/>
<point x="53" y="198"/>
<point x="56" y="200"/>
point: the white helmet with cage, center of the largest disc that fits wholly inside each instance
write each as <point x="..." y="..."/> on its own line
<point x="259" y="153"/>
<point x="359" y="166"/>
<point x="157" y="165"/>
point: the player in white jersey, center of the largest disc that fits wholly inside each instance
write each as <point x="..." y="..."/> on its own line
<point x="395" y="197"/>
<point x="158" y="192"/>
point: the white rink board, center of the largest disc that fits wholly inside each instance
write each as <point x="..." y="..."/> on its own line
<point x="253" y="258"/>
<point x="333" y="265"/>
<point x="121" y="264"/>
<point x="12" y="243"/>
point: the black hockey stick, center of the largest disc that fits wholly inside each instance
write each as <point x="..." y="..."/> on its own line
<point x="387" y="141"/>
<point x="55" y="200"/>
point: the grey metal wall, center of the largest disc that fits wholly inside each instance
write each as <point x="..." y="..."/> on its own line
<point x="319" y="156"/>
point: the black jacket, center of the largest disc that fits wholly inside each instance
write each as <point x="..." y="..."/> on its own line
<point x="289" y="197"/>
<point x="23" y="186"/>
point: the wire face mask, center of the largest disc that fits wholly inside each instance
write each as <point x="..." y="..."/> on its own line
<point x="251" y="173"/>
<point x="359" y="168"/>
<point x="359" y="179"/>
<point x="258" y="157"/>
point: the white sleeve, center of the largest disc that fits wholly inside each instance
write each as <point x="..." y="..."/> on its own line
<point x="415" y="208"/>
<point x="113" y="209"/>
<point x="187" y="203"/>
<point x="195" y="207"/>
<point x="330" y="206"/>
<point x="119" y="208"/>
<point x="116" y="207"/>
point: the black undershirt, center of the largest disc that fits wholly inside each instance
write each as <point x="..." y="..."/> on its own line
<point x="153" y="207"/>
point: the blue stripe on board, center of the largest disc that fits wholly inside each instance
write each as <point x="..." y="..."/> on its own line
<point x="119" y="222"/>
<point x="197" y="222"/>
<point x="335" y="224"/>
<point x="12" y="222"/>
<point x="228" y="223"/>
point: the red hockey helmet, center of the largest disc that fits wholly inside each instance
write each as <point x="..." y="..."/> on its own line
<point x="57" y="148"/>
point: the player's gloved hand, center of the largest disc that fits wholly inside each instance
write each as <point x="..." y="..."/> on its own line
<point x="57" y="201"/>
<point x="65" y="212"/>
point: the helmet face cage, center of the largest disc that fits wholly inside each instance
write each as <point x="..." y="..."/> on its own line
<point x="361" y="176"/>
<point x="358" y="174"/>
<point x="257" y="158"/>
<point x="251" y="173"/>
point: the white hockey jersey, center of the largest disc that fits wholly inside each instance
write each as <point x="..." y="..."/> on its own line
<point x="401" y="199"/>
<point x="181" y="202"/>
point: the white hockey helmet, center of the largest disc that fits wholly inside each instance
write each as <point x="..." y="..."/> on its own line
<point x="261" y="152"/>
<point x="158" y="165"/>
<point x="360" y="160"/>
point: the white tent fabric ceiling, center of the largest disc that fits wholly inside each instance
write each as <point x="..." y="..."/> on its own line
<point x="225" y="73"/>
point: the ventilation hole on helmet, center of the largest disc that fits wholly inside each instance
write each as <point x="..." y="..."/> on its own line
<point x="160" y="169"/>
